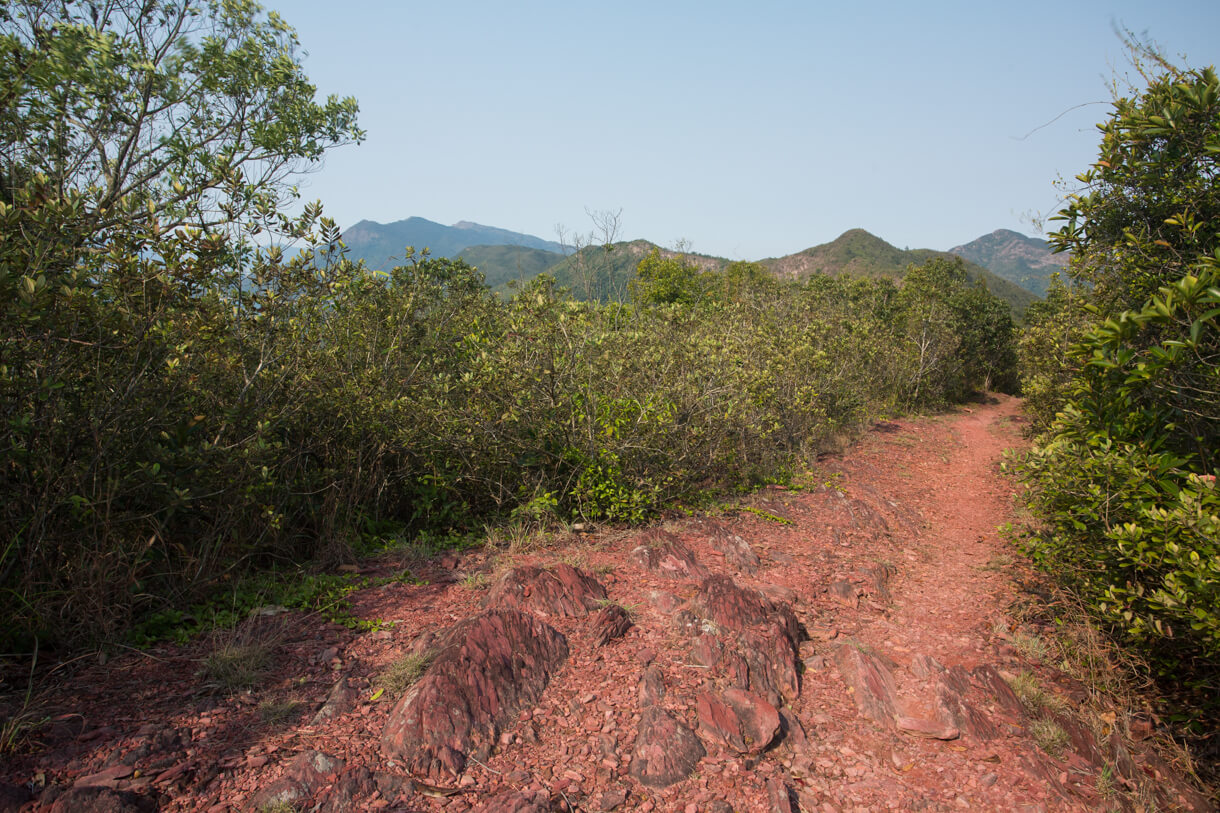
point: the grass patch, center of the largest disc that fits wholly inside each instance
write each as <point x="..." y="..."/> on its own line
<point x="1000" y="563"/>
<point x="475" y="581"/>
<point x="1030" y="646"/>
<point x="1049" y="736"/>
<point x="767" y="515"/>
<point x="277" y="712"/>
<point x="241" y="656"/>
<point x="402" y="673"/>
<point x="1038" y="700"/>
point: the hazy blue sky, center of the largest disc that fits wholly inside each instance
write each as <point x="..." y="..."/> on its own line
<point x="748" y="129"/>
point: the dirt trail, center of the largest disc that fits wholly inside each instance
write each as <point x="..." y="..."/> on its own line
<point x="841" y="648"/>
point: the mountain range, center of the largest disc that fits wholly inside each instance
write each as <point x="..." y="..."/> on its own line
<point x="1014" y="267"/>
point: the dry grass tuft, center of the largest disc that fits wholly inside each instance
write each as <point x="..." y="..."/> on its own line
<point x="241" y="656"/>
<point x="402" y="673"/>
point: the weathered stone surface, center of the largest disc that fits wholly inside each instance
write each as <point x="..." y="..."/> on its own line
<point x="955" y="709"/>
<point x="663" y="553"/>
<point x="843" y="592"/>
<point x="867" y="518"/>
<point x="706" y="649"/>
<point x="340" y="700"/>
<point x="489" y="667"/>
<point x="664" y="601"/>
<point x="779" y="797"/>
<point x="307" y="772"/>
<point x="738" y="608"/>
<point x="737" y="551"/>
<point x="925" y="666"/>
<point x="929" y="729"/>
<point x="870" y="679"/>
<point x="792" y="731"/>
<point x="735" y="670"/>
<point x="97" y="799"/>
<point x="773" y="662"/>
<point x="991" y="680"/>
<point x="739" y="719"/>
<point x="879" y="577"/>
<point x="652" y="686"/>
<point x="687" y="623"/>
<point x="564" y="591"/>
<point x="610" y="622"/>
<point x="665" y="749"/>
<point x="516" y="802"/>
<point x="354" y="785"/>
<point x="612" y="799"/>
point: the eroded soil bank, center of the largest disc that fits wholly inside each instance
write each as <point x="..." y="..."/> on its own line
<point x="844" y="648"/>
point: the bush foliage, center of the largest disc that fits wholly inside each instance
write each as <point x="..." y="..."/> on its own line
<point x="1123" y="372"/>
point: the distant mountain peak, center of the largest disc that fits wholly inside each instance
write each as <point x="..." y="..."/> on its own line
<point x="381" y="245"/>
<point x="1026" y="261"/>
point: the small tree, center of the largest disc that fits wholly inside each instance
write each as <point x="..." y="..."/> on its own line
<point x="187" y="111"/>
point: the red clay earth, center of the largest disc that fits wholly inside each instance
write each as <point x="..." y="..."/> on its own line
<point x="853" y="655"/>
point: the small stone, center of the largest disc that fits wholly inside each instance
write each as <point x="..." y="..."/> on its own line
<point x="665" y="750"/>
<point x="930" y="729"/>
<point x="988" y="779"/>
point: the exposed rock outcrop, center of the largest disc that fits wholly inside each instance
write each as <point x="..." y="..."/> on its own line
<point x="489" y="667"/>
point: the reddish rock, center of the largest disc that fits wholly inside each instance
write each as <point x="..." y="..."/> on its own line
<point x="687" y="623"/>
<point x="349" y="789"/>
<point x="663" y="553"/>
<point x="735" y="670"/>
<point x="738" y="608"/>
<point x="741" y="720"/>
<point x="779" y="797"/>
<point x="879" y="577"/>
<point x="666" y="751"/>
<point x="929" y="729"/>
<point x="564" y="591"/>
<point x="340" y="700"/>
<point x="98" y="799"/>
<point x="867" y="518"/>
<point x="925" y="666"/>
<point x="706" y="649"/>
<point x="489" y="667"/>
<point x="953" y="708"/>
<point x="516" y="802"/>
<point x="844" y="592"/>
<point x="307" y="772"/>
<point x="870" y="679"/>
<point x="772" y="658"/>
<point x="991" y="680"/>
<point x="664" y="601"/>
<point x="792" y="731"/>
<point x="610" y="622"/>
<point x="107" y="778"/>
<point x="612" y="800"/>
<point x="737" y="551"/>
<point x="652" y="686"/>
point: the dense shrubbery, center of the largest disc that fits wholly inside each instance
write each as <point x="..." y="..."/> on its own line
<point x="1123" y="371"/>
<point x="179" y="407"/>
<point x="220" y="435"/>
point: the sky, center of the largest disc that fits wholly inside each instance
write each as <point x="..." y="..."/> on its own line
<point x="742" y="130"/>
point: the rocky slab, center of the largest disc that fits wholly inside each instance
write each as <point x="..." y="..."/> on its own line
<point x="663" y="553"/>
<point x="561" y="592"/>
<point x="666" y="751"/>
<point x="741" y="720"/>
<point x="489" y="668"/>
